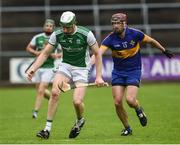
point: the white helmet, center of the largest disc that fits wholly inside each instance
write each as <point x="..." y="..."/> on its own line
<point x="68" y="18"/>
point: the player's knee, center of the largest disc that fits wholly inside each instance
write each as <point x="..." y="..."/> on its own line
<point x="117" y="102"/>
<point x="55" y="94"/>
<point x="41" y="92"/>
<point x="77" y="102"/>
<point x="130" y="101"/>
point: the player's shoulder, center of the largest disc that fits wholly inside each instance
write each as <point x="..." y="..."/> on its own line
<point x="39" y="35"/>
<point x="133" y="30"/>
<point x="83" y="30"/>
<point x="109" y="36"/>
<point x="58" y="31"/>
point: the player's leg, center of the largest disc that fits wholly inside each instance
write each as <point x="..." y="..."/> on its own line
<point x="133" y="82"/>
<point x="62" y="75"/>
<point x="118" y="93"/>
<point x="44" y="77"/>
<point x="133" y="102"/>
<point x="79" y="76"/>
<point x="79" y="109"/>
<point x="47" y="76"/>
<point x="36" y="79"/>
<point x="131" y="94"/>
<point x="52" y="105"/>
<point x="78" y="96"/>
<point x="53" y="102"/>
<point x="41" y="87"/>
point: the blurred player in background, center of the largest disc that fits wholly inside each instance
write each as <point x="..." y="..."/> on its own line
<point x="45" y="74"/>
<point x="124" y="43"/>
<point x="75" y="41"/>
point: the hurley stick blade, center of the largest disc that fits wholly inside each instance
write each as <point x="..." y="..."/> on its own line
<point x="64" y="87"/>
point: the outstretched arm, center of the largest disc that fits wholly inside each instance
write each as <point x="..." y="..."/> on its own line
<point x="156" y="44"/>
<point x="39" y="61"/>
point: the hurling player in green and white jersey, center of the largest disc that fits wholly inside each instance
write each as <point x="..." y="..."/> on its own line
<point x="75" y="66"/>
<point x="45" y="74"/>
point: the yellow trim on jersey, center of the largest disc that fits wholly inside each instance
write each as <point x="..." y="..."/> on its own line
<point x="126" y="53"/>
<point x="104" y="47"/>
<point x="145" y="38"/>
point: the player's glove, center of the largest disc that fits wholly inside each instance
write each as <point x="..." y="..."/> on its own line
<point x="168" y="53"/>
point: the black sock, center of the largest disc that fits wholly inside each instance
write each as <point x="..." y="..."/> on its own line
<point x="128" y="128"/>
<point x="138" y="109"/>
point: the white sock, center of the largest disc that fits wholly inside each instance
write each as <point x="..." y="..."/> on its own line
<point x="80" y="121"/>
<point x="48" y="125"/>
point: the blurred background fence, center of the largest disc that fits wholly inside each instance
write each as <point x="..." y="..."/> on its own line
<point x="21" y="20"/>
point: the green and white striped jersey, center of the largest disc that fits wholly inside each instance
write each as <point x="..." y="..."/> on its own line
<point x="75" y="47"/>
<point x="40" y="41"/>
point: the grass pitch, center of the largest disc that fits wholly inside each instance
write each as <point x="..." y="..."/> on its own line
<point x="160" y="102"/>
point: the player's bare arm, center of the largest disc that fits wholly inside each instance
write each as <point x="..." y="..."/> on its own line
<point x="31" y="49"/>
<point x="39" y="61"/>
<point x="153" y="42"/>
<point x="156" y="44"/>
<point x="98" y="63"/>
<point x="101" y="50"/>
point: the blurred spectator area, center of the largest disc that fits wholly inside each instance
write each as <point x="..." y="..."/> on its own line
<point x="20" y="20"/>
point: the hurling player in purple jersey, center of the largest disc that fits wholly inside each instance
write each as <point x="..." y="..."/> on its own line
<point x="124" y="42"/>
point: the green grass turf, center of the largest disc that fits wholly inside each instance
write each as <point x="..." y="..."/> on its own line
<point x="160" y="102"/>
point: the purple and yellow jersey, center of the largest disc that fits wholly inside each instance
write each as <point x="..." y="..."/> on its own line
<point x="125" y="51"/>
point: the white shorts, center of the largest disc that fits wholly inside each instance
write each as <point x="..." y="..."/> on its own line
<point x="76" y="74"/>
<point x="44" y="75"/>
